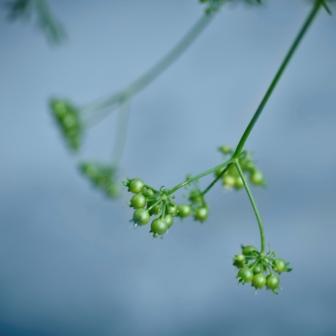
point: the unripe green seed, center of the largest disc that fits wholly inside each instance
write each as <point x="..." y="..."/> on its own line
<point x="159" y="227"/>
<point x="141" y="216"/>
<point x="138" y="201"/>
<point x="248" y="250"/>
<point x="183" y="210"/>
<point x="279" y="265"/>
<point x="238" y="183"/>
<point x="259" y="281"/>
<point x="172" y="209"/>
<point x="257" y="178"/>
<point x="258" y="269"/>
<point x="228" y="181"/>
<point x="201" y="214"/>
<point x="169" y="220"/>
<point x="135" y="185"/>
<point x="272" y="282"/>
<point x="245" y="275"/>
<point x="147" y="192"/>
<point x="225" y="149"/>
<point x="239" y="260"/>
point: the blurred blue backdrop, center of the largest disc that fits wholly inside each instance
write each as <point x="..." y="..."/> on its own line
<point x="70" y="261"/>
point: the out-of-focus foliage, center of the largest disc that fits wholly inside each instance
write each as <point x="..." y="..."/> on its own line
<point x="39" y="11"/>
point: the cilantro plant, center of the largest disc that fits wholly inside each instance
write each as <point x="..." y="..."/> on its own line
<point x="158" y="208"/>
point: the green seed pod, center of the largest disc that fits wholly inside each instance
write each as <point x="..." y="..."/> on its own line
<point x="138" y="201"/>
<point x="169" y="220"/>
<point x="272" y="282"/>
<point x="245" y="275"/>
<point x="135" y="185"/>
<point x="257" y="178"/>
<point x="225" y="149"/>
<point x="248" y="250"/>
<point x="159" y="227"/>
<point x="239" y="260"/>
<point x="172" y="209"/>
<point x="279" y="265"/>
<point x="259" y="281"/>
<point x="228" y="181"/>
<point x="141" y="216"/>
<point x="147" y="192"/>
<point x="183" y="210"/>
<point x="258" y="269"/>
<point x="238" y="183"/>
<point x="201" y="214"/>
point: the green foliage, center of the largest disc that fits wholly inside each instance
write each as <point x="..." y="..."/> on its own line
<point x="38" y="10"/>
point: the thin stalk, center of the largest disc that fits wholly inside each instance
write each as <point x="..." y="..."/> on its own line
<point x="254" y="207"/>
<point x="149" y="76"/>
<point x="121" y="134"/>
<point x="240" y="147"/>
<point x="192" y="179"/>
<point x="307" y="23"/>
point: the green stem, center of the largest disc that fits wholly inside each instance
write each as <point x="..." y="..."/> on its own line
<point x="191" y="179"/>
<point x="121" y="134"/>
<point x="101" y="106"/>
<point x="307" y="23"/>
<point x="254" y="206"/>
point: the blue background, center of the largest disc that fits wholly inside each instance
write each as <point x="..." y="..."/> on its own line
<point x="70" y="261"/>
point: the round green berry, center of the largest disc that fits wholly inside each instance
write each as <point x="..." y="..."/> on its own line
<point x="239" y="260"/>
<point x="112" y="190"/>
<point x="147" y="192"/>
<point x="135" y="185"/>
<point x="201" y="214"/>
<point x="279" y="265"/>
<point x="228" y="181"/>
<point x="257" y="178"/>
<point x="183" y="210"/>
<point x="138" y="201"/>
<point x="169" y="220"/>
<point x="272" y="282"/>
<point x="225" y="149"/>
<point x="245" y="275"/>
<point x="195" y="196"/>
<point x="248" y="250"/>
<point x="172" y="209"/>
<point x="259" y="281"/>
<point x="238" y="183"/>
<point x="141" y="216"/>
<point x="258" y="269"/>
<point x="159" y="227"/>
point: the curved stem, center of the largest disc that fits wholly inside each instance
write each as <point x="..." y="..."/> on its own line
<point x="307" y="23"/>
<point x="149" y="76"/>
<point x="254" y="206"/>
